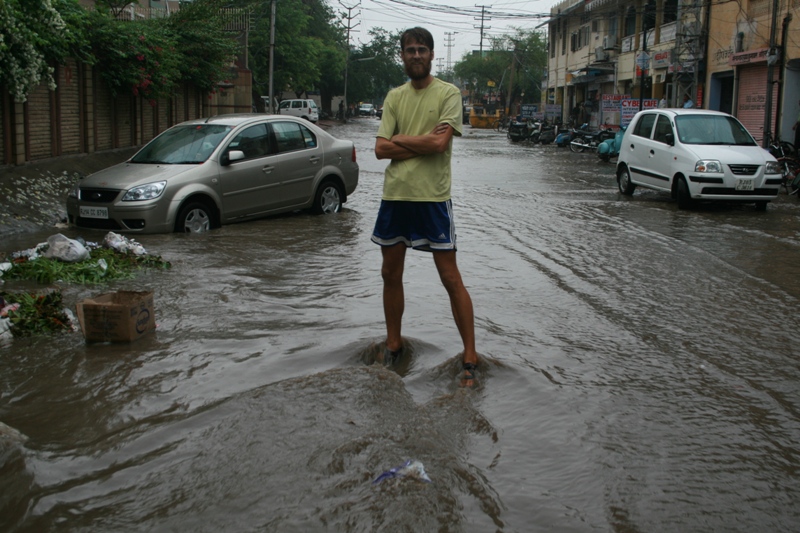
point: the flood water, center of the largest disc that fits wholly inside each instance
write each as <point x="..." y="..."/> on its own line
<point x="639" y="371"/>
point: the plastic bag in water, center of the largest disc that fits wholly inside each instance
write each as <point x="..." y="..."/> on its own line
<point x="66" y="249"/>
<point x="411" y="468"/>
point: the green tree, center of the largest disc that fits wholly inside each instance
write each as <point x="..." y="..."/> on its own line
<point x="306" y="45"/>
<point x="525" y="51"/>
<point x="34" y="33"/>
<point x="375" y="68"/>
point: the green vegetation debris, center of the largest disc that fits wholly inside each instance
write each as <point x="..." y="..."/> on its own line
<point x="35" y="314"/>
<point x="104" y="264"/>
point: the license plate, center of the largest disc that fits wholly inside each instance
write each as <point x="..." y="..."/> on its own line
<point x="94" y="212"/>
<point x="744" y="185"/>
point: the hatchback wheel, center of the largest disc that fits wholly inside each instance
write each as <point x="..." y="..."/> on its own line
<point x="684" y="198"/>
<point x="328" y="199"/>
<point x="626" y="186"/>
<point x="194" y="217"/>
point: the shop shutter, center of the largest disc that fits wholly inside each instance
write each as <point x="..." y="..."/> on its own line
<point x="752" y="99"/>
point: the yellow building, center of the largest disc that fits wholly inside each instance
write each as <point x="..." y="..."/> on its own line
<point x="749" y="43"/>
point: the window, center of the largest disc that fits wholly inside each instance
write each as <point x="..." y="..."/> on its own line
<point x="629" y="26"/>
<point x="290" y="136"/>
<point x="645" y="125"/>
<point x="297" y="104"/>
<point x="254" y="142"/>
<point x="670" y="11"/>
<point x="663" y="127"/>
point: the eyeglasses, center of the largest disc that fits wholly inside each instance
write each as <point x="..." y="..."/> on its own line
<point x="413" y="50"/>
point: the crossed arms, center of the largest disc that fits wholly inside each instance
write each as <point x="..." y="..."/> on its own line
<point x="407" y="146"/>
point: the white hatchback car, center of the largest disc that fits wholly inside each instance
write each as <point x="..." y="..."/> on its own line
<point x="303" y="108"/>
<point x="696" y="155"/>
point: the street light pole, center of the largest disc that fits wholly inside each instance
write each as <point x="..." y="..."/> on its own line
<point x="349" y="17"/>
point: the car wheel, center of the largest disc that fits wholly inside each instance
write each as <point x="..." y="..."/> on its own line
<point x="761" y="206"/>
<point x="684" y="198"/>
<point x="626" y="186"/>
<point x="328" y="199"/>
<point x="194" y="217"/>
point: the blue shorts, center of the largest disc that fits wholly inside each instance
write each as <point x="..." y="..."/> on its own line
<point x="426" y="226"/>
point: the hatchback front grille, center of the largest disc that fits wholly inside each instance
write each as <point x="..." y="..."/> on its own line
<point x="743" y="170"/>
<point x="98" y="196"/>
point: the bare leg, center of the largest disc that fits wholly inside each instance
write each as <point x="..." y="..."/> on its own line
<point x="460" y="303"/>
<point x="393" y="296"/>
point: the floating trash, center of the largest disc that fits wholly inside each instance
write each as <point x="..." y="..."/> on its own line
<point x="411" y="468"/>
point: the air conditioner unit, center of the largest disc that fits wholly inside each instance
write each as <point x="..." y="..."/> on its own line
<point x="600" y="54"/>
<point x="609" y="42"/>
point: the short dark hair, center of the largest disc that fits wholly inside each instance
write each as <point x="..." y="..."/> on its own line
<point x="420" y="35"/>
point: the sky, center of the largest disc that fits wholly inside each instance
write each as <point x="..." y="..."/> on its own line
<point x="450" y="21"/>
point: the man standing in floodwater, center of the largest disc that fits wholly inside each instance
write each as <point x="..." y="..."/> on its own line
<point x="416" y="132"/>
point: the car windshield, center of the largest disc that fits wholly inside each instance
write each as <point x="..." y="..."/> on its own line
<point x="183" y="145"/>
<point x="712" y="129"/>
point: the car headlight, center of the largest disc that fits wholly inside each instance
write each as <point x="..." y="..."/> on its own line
<point x="708" y="165"/>
<point x="773" y="167"/>
<point x="145" y="192"/>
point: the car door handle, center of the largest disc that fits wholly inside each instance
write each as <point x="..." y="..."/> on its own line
<point x="313" y="160"/>
<point x="652" y="152"/>
<point x="631" y="146"/>
<point x="267" y="169"/>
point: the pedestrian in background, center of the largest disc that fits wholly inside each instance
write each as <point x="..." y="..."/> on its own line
<point x="416" y="132"/>
<point x="687" y="102"/>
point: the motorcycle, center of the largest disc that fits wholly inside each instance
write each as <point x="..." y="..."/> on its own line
<point x="548" y="133"/>
<point x="521" y="130"/>
<point x="610" y="147"/>
<point x="590" y="140"/>
<point x="565" y="137"/>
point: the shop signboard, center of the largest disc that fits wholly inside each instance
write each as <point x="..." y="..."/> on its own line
<point x="631" y="106"/>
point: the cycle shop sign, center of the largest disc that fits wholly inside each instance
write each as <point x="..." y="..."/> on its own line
<point x="631" y="106"/>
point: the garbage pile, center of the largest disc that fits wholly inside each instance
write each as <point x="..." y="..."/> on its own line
<point x="64" y="260"/>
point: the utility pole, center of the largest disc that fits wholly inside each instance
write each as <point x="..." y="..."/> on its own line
<point x="448" y="42"/>
<point x="482" y="27"/>
<point x="772" y="58"/>
<point x="349" y="17"/>
<point x="271" y="54"/>
<point x="509" y="100"/>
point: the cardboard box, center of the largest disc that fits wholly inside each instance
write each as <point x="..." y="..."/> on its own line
<point x="121" y="316"/>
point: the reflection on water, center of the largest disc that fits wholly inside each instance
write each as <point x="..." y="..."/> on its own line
<point x="638" y="371"/>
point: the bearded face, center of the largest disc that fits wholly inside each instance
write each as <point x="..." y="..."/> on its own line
<point x="417" y="60"/>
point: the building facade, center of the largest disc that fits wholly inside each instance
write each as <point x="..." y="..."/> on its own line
<point x="605" y="54"/>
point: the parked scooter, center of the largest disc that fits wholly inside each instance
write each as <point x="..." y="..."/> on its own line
<point x="548" y="133"/>
<point x="565" y="137"/>
<point x="590" y="140"/>
<point x="521" y="130"/>
<point x="610" y="147"/>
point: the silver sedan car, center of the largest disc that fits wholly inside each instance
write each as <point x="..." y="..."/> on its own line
<point x="203" y="173"/>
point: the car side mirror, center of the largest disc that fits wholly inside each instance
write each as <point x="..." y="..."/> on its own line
<point x="230" y="156"/>
<point x="670" y="138"/>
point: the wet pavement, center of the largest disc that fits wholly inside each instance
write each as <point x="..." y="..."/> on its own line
<point x="638" y="371"/>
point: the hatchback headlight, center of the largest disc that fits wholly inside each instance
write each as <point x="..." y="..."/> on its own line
<point x="145" y="192"/>
<point x="773" y="167"/>
<point x="708" y="165"/>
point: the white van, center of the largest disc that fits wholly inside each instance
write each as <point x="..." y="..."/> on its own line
<point x="696" y="155"/>
<point x="303" y="108"/>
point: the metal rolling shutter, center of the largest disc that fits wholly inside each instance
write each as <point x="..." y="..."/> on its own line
<point x="752" y="99"/>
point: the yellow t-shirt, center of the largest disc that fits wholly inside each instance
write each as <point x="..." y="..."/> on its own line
<point x="407" y="111"/>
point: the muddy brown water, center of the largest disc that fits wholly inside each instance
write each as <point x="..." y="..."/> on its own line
<point x="639" y="371"/>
